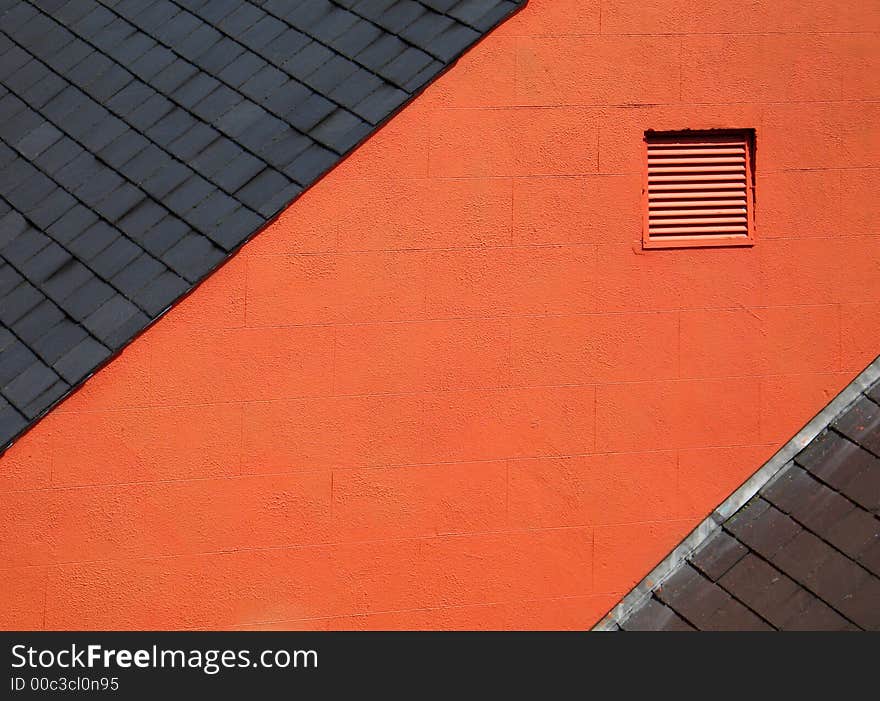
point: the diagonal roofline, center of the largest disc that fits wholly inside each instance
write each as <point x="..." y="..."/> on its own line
<point x="102" y="334"/>
<point x="736" y="501"/>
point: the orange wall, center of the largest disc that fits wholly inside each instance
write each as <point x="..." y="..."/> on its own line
<point x="447" y="388"/>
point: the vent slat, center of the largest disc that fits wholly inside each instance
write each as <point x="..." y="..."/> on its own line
<point x="697" y="189"/>
<point x="685" y="190"/>
<point x="698" y="221"/>
<point x="679" y="194"/>
<point x="693" y="162"/>
<point x="664" y="231"/>
<point x="739" y="213"/>
<point x="701" y="153"/>
<point x="697" y="204"/>
<point x="697" y="143"/>
<point x="687" y="170"/>
<point x="691" y="178"/>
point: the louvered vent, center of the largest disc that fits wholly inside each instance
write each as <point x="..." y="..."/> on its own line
<point x="699" y="190"/>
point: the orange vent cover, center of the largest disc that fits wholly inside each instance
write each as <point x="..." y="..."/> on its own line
<point x="698" y="190"/>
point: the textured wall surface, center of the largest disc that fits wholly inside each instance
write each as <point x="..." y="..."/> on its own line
<point x="447" y="388"/>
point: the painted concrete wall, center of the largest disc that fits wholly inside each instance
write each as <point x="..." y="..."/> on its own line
<point x="447" y="388"/>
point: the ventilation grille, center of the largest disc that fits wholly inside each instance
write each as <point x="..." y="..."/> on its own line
<point x="698" y="190"/>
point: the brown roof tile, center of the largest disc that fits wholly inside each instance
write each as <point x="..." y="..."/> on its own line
<point x="802" y="554"/>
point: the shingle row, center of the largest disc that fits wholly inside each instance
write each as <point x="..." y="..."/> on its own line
<point x="803" y="554"/>
<point x="142" y="142"/>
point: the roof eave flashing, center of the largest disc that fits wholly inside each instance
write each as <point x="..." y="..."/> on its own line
<point x="773" y="467"/>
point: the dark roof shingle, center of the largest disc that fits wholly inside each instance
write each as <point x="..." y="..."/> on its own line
<point x="141" y="143"/>
<point x="802" y="554"/>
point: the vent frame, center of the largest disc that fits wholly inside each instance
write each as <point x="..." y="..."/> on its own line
<point x="651" y="240"/>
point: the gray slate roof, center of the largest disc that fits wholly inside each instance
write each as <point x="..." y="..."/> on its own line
<point x="802" y="554"/>
<point x="143" y="141"/>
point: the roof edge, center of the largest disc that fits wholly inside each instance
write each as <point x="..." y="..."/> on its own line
<point x="781" y="459"/>
<point x="8" y="442"/>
